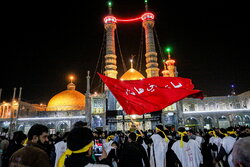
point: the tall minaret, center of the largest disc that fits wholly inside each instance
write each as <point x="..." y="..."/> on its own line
<point x="110" y="57"/>
<point x="151" y="55"/>
<point x="88" y="102"/>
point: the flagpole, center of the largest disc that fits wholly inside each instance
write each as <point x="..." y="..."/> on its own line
<point x="131" y="119"/>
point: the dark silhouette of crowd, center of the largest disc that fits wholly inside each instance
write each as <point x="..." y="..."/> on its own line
<point x="160" y="147"/>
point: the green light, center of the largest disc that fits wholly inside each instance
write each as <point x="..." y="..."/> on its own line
<point x="168" y="49"/>
<point x="110" y="4"/>
<point x="146" y="1"/>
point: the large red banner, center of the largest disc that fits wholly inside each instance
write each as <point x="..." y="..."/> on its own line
<point x="150" y="94"/>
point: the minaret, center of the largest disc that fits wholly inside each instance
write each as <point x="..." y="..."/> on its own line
<point x="165" y="72"/>
<point x="18" y="108"/>
<point x="151" y="55"/>
<point x="12" y="104"/>
<point x="110" y="57"/>
<point x="11" y="128"/>
<point x="88" y="84"/>
<point x="170" y="65"/>
<point x="88" y="102"/>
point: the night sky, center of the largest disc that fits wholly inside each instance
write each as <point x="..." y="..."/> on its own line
<point x="42" y="43"/>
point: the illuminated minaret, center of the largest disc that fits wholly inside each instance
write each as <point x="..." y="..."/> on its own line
<point x="110" y="57"/>
<point x="170" y="65"/>
<point x="151" y="55"/>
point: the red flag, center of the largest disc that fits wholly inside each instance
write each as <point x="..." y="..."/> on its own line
<point x="150" y="94"/>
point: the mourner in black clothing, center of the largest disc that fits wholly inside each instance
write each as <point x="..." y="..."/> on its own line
<point x="17" y="143"/>
<point x="133" y="154"/>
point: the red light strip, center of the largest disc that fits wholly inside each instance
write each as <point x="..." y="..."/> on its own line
<point x="129" y="20"/>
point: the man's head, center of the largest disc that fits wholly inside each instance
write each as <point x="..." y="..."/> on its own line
<point x="181" y="129"/>
<point x="231" y="131"/>
<point x="114" y="145"/>
<point x="159" y="128"/>
<point x="38" y="133"/>
<point x="222" y="133"/>
<point x="132" y="128"/>
<point x="104" y="135"/>
<point x="241" y="152"/>
<point x="80" y="124"/>
<point x="210" y="132"/>
<point x="78" y="138"/>
<point x="19" y="137"/>
<point x="190" y="132"/>
<point x="95" y="134"/>
<point x="132" y="137"/>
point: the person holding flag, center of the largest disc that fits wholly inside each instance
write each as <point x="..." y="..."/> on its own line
<point x="107" y="146"/>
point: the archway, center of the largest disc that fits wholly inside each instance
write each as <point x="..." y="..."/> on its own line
<point x="20" y="128"/>
<point x="223" y="122"/>
<point x="4" y="127"/>
<point x="63" y="128"/>
<point x="208" y="123"/>
<point x="247" y="120"/>
<point x="238" y="120"/>
<point x="27" y="128"/>
<point x="52" y="128"/>
<point x="192" y="123"/>
<point x="97" y="121"/>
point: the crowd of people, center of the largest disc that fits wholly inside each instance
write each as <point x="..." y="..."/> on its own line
<point x="161" y="147"/>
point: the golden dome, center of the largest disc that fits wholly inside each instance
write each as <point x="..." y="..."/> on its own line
<point x="67" y="100"/>
<point x="132" y="74"/>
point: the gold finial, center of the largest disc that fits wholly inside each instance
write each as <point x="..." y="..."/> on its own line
<point x="71" y="78"/>
<point x="71" y="85"/>
<point x="131" y="63"/>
